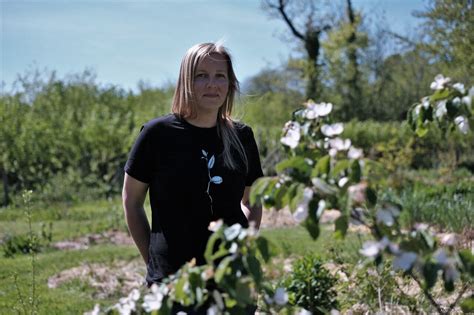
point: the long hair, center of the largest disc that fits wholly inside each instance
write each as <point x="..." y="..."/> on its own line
<point x="184" y="100"/>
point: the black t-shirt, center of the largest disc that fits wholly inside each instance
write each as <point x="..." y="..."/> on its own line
<point x="189" y="187"/>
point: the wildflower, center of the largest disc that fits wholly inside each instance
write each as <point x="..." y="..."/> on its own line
<point x="456" y="101"/>
<point x="440" y="82"/>
<point x="213" y="310"/>
<point x="332" y="130"/>
<point x="314" y="110"/>
<point x="462" y="123"/>
<point x="292" y="134"/>
<point x="405" y="261"/>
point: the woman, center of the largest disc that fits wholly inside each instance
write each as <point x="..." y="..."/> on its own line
<point x="197" y="164"/>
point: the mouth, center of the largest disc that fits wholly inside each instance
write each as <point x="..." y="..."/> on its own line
<point x="211" y="95"/>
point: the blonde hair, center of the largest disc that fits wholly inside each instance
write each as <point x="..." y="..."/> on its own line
<point x="184" y="102"/>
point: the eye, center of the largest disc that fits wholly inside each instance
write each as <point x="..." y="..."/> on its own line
<point x="201" y="76"/>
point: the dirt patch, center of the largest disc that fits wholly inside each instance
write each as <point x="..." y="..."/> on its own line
<point x="83" y="242"/>
<point x="107" y="280"/>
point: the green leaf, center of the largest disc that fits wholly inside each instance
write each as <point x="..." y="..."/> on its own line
<point x="258" y="189"/>
<point x="340" y="166"/>
<point x="312" y="227"/>
<point x="279" y="195"/>
<point x="355" y="171"/>
<point x="467" y="304"/>
<point x="439" y="95"/>
<point x="322" y="167"/>
<point x="295" y="162"/>
<point x="430" y="273"/>
<point x="263" y="248"/>
<point x="208" y="254"/>
<point x="297" y="198"/>
<point x="290" y="194"/>
<point x="341" y="224"/>
<point x="371" y="196"/>
<point x="223" y="269"/>
<point x="253" y="266"/>
<point x="243" y="293"/>
<point x="467" y="260"/>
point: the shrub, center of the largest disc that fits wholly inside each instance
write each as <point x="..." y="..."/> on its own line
<point x="311" y="286"/>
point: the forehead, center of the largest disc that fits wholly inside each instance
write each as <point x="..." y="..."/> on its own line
<point x="213" y="61"/>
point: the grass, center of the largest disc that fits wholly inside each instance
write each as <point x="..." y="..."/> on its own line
<point x="443" y="199"/>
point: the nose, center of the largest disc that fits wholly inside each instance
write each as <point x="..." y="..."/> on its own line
<point x="212" y="82"/>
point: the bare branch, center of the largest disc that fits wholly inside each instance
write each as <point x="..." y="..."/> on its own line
<point x="281" y="9"/>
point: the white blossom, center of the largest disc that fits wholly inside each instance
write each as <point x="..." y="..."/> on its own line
<point x="405" y="261"/>
<point x="233" y="248"/>
<point x="152" y="301"/>
<point x="340" y="144"/>
<point x="281" y="297"/>
<point x="301" y="212"/>
<point x="462" y="123"/>
<point x="417" y="109"/>
<point x="213" y="310"/>
<point x="441" y="109"/>
<point x="373" y="248"/>
<point x="354" y="153"/>
<point x="342" y="182"/>
<point x="304" y="312"/>
<point x="449" y="239"/>
<point x="215" y="225"/>
<point x="440" y="82"/>
<point x="450" y="273"/>
<point x="181" y="313"/>
<point x="387" y="215"/>
<point x="456" y="101"/>
<point x="321" y="207"/>
<point x="460" y="87"/>
<point x="425" y="102"/>
<point x="315" y="110"/>
<point x="95" y="311"/>
<point x="232" y="231"/>
<point x="292" y="135"/>
<point x="332" y="130"/>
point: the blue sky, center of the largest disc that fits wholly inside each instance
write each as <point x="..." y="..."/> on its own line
<point x="127" y="41"/>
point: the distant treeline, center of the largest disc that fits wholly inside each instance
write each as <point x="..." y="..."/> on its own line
<point x="68" y="138"/>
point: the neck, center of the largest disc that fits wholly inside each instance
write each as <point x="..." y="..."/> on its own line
<point x="203" y="120"/>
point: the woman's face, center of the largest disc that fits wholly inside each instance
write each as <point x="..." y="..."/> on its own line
<point x="211" y="83"/>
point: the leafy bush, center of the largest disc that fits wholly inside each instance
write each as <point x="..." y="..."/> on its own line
<point x="311" y="286"/>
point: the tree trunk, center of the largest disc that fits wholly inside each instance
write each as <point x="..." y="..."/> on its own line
<point x="354" y="91"/>
<point x="5" y="188"/>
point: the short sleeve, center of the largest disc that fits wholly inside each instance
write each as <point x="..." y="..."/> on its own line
<point x="253" y="158"/>
<point x="138" y="164"/>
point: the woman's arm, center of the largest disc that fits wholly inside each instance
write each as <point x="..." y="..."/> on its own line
<point x="133" y="197"/>
<point x="253" y="214"/>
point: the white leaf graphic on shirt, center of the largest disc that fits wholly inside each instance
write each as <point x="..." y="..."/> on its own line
<point x="214" y="179"/>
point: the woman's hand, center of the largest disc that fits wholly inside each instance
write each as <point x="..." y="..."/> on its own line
<point x="133" y="197"/>
<point x="253" y="214"/>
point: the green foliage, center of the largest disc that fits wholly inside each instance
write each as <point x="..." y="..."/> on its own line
<point x="311" y="286"/>
<point x="69" y="139"/>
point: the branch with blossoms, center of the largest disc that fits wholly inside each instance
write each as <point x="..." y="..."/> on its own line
<point x="228" y="283"/>
<point x="325" y="171"/>
<point x="449" y="107"/>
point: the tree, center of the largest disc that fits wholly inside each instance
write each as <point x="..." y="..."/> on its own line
<point x="449" y="36"/>
<point x="307" y="26"/>
<point x="341" y="52"/>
